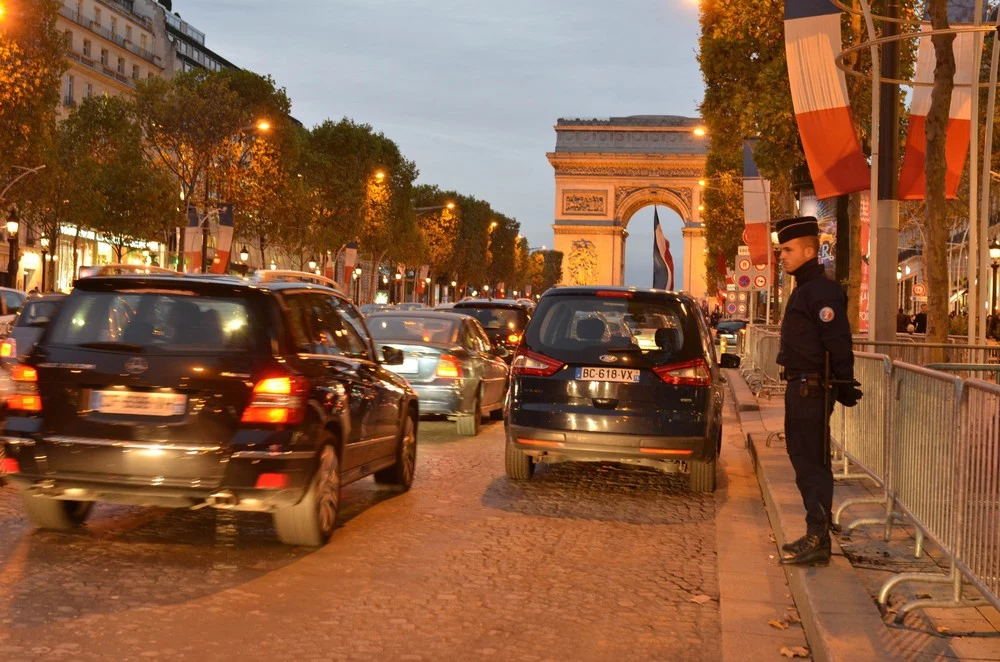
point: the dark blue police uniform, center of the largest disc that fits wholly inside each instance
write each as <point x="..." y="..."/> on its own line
<point x="815" y="322"/>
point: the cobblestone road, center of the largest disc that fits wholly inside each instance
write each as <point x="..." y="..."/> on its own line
<point x="585" y="562"/>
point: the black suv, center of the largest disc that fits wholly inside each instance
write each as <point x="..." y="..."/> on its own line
<point x="617" y="374"/>
<point x="190" y="391"/>
<point x="504" y="320"/>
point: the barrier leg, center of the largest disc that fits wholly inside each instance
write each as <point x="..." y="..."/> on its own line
<point x="953" y="577"/>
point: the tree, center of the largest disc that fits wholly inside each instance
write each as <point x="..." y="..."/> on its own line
<point x="936" y="246"/>
<point x="438" y="226"/>
<point x="31" y="63"/>
<point x="551" y="269"/>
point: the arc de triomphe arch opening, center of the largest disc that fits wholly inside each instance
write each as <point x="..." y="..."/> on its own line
<point x="608" y="169"/>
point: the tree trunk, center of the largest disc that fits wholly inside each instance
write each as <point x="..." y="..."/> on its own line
<point x="936" y="246"/>
<point x="854" y="276"/>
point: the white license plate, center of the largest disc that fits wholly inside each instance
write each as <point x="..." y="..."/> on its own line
<point x="608" y="375"/>
<point x="409" y="366"/>
<point x="138" y="404"/>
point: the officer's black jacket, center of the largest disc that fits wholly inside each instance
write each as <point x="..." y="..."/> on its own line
<point x="816" y="322"/>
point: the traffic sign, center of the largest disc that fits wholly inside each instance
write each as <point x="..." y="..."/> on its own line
<point x="731" y="297"/>
<point x="742" y="296"/>
<point x="744" y="282"/>
<point x="760" y="281"/>
<point x="760" y="267"/>
<point x="743" y="264"/>
<point x="731" y="308"/>
<point x="742" y="308"/>
<point x="919" y="289"/>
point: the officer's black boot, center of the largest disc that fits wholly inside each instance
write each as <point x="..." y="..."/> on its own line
<point x="815" y="550"/>
<point x="795" y="545"/>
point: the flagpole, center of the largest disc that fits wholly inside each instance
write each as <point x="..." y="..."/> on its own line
<point x="770" y="271"/>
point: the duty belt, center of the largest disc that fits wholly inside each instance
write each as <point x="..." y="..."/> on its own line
<point x="810" y="377"/>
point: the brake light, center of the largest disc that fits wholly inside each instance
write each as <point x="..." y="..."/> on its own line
<point x="9" y="465"/>
<point x="689" y="373"/>
<point x="277" y="400"/>
<point x="513" y="338"/>
<point x="449" y="366"/>
<point x="8" y="348"/>
<point x="614" y="294"/>
<point x="271" y="481"/>
<point x="25" y="396"/>
<point x="534" y="364"/>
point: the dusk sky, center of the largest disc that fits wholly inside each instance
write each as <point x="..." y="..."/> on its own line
<point x="470" y="91"/>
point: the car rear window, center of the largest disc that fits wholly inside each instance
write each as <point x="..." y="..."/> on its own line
<point x="582" y="327"/>
<point x="729" y="327"/>
<point x="414" y="329"/>
<point x="37" y="313"/>
<point x="494" y="318"/>
<point x="155" y="320"/>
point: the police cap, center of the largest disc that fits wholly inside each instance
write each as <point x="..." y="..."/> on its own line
<point x="801" y="226"/>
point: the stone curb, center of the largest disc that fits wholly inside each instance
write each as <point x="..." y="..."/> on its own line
<point x="839" y="617"/>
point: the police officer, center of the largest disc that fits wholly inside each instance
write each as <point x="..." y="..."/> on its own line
<point x="815" y="323"/>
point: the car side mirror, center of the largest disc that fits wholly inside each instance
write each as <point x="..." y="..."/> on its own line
<point x="730" y="361"/>
<point x="392" y="356"/>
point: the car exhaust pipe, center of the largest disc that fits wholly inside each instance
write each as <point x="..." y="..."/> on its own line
<point x="224" y="499"/>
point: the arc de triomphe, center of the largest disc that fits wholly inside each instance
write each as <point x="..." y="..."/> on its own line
<point x="607" y="170"/>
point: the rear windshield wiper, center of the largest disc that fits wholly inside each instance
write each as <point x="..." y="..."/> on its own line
<point x="110" y="345"/>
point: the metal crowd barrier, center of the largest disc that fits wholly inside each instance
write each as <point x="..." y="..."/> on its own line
<point x="760" y="366"/>
<point x="987" y="372"/>
<point x="920" y="353"/>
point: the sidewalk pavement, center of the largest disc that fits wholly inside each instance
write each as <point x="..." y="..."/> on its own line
<point x="837" y="603"/>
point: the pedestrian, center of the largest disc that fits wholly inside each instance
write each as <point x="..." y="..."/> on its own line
<point x="815" y="324"/>
<point x="920" y="320"/>
<point x="902" y="320"/>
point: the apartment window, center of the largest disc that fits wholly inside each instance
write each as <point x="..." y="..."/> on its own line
<point x="97" y="15"/>
<point x="104" y="56"/>
<point x="86" y="47"/>
<point x="90" y="90"/>
<point x="114" y="25"/>
<point x="69" y="39"/>
<point x="135" y="71"/>
<point x="121" y="65"/>
<point x="149" y="76"/>
<point x="142" y="42"/>
<point x="128" y="32"/>
<point x="69" y="89"/>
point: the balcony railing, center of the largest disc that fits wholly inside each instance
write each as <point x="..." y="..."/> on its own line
<point x="69" y="102"/>
<point x="96" y="28"/>
<point x="106" y="70"/>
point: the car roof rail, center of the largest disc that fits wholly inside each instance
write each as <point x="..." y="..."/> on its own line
<point x="292" y="276"/>
<point x="125" y="270"/>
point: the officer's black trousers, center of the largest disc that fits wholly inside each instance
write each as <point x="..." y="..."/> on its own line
<point x="804" y="439"/>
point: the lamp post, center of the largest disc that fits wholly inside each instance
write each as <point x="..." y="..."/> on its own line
<point x="244" y="254"/>
<point x="995" y="262"/>
<point x="427" y="286"/>
<point x="396" y="293"/>
<point x="357" y="286"/>
<point x="44" y="240"/>
<point x="312" y="263"/>
<point x="205" y="232"/>
<point x="13" y="260"/>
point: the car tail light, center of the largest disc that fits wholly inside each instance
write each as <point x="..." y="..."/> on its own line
<point x="277" y="400"/>
<point x="531" y="363"/>
<point x="689" y="373"/>
<point x="271" y="481"/>
<point x="8" y="348"/>
<point x="9" y="465"/>
<point x="449" y="366"/>
<point x="25" y="396"/>
<point x="513" y="338"/>
<point x="616" y="294"/>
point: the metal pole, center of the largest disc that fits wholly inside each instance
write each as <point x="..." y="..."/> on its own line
<point x="45" y="254"/>
<point x="204" y="246"/>
<point x="873" y="195"/>
<point x="984" y="208"/>
<point x="974" y="239"/>
<point x="993" y="307"/>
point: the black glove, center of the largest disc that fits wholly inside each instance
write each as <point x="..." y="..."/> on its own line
<point x="849" y="395"/>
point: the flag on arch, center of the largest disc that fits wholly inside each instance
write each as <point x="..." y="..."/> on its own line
<point x="912" y="182"/>
<point x="663" y="262"/>
<point x="819" y="96"/>
<point x="756" y="208"/>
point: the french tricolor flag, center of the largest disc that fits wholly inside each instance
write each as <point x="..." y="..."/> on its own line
<point x="819" y="96"/>
<point x="912" y="181"/>
<point x="756" y="208"/>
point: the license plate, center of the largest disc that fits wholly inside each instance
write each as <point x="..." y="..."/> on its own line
<point x="410" y="366"/>
<point x="138" y="404"/>
<point x="608" y="375"/>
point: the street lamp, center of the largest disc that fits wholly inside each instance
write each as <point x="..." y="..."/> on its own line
<point x="244" y="254"/>
<point x="995" y="259"/>
<point x="45" y="256"/>
<point x="899" y="274"/>
<point x="312" y="263"/>
<point x="274" y="265"/>
<point x="427" y="286"/>
<point x="357" y="285"/>
<point x="12" y="262"/>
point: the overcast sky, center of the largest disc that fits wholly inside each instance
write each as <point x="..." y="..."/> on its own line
<point x="470" y="90"/>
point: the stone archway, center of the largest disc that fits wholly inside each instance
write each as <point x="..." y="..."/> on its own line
<point x="608" y="169"/>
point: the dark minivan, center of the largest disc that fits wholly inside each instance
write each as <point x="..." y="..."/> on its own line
<point x="619" y="375"/>
<point x="191" y="392"/>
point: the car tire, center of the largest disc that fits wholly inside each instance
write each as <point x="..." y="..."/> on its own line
<point x="56" y="514"/>
<point x="519" y="465"/>
<point x="311" y="521"/>
<point x="497" y="414"/>
<point x="718" y="442"/>
<point x="401" y="474"/>
<point x="468" y="424"/>
<point x="702" y="476"/>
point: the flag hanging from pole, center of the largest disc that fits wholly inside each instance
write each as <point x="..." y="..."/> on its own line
<point x="912" y="183"/>
<point x="819" y="96"/>
<point x="756" y="208"/>
<point x="663" y="263"/>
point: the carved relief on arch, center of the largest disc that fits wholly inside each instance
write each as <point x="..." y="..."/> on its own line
<point x="630" y="199"/>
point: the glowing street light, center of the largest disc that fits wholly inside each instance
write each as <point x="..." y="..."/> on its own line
<point x="379" y="175"/>
<point x="244" y="254"/>
<point x="312" y="263"/>
<point x="699" y="131"/>
<point x="263" y="125"/>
